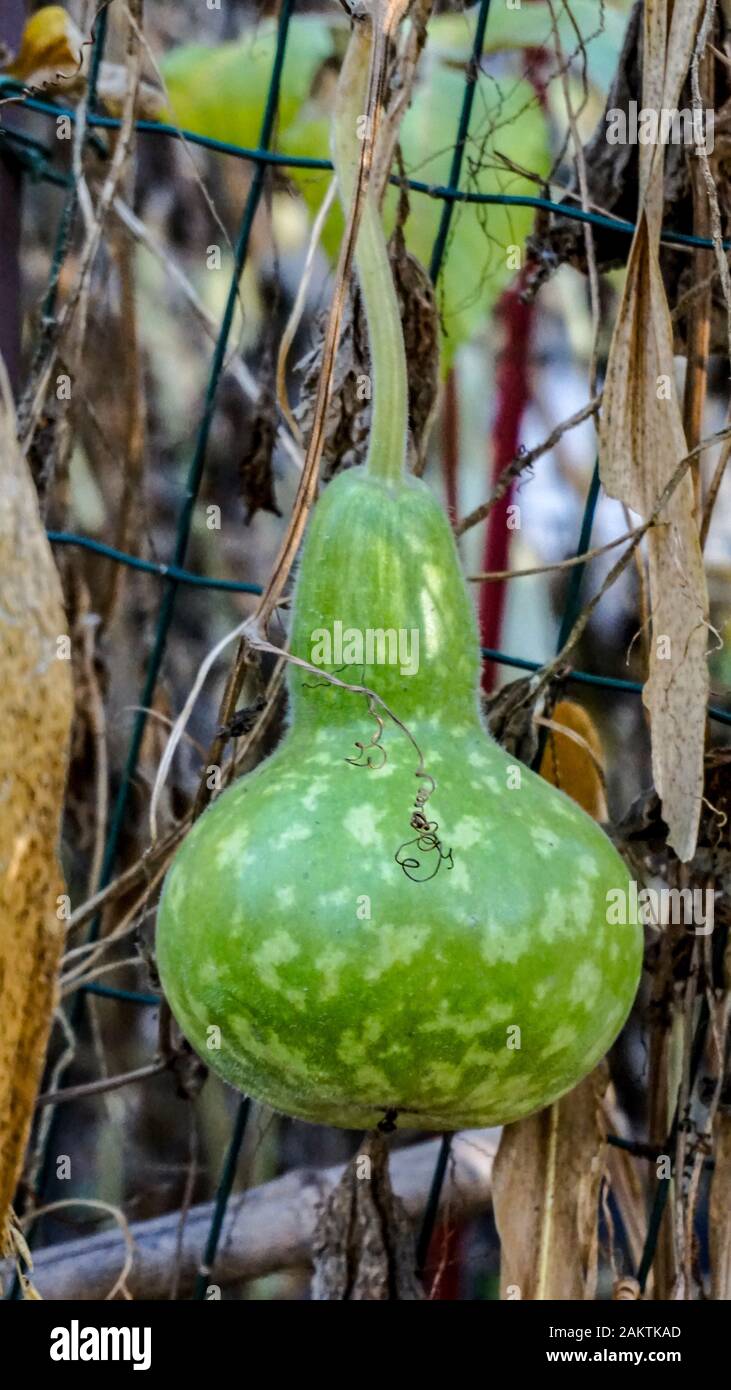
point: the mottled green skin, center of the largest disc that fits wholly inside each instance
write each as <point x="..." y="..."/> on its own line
<point x="335" y="1016"/>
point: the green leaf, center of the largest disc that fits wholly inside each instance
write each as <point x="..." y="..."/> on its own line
<point x="221" y="92"/>
<point x="506" y="120"/>
<point x="530" y="27"/>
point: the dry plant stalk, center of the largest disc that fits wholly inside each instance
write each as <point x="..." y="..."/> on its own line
<point x="546" y="1182"/>
<point x="641" y="440"/>
<point x="37" y="705"/>
<point x="719" y="1221"/>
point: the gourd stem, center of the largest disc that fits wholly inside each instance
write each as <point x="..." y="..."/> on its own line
<point x="389" y="386"/>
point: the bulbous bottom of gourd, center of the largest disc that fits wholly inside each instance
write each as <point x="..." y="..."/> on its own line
<point x="312" y="971"/>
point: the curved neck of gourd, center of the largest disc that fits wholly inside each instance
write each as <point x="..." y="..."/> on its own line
<point x="389" y="390"/>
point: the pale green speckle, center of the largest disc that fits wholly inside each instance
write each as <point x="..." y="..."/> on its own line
<point x="293" y="835"/>
<point x="330" y="965"/>
<point x="586" y="984"/>
<point x="543" y="840"/>
<point x="209" y="972"/>
<point x="469" y="831"/>
<point x="393" y="945"/>
<point x="587" y="866"/>
<point x="459" y="877"/>
<point x="554" y="917"/>
<point x="336" y="897"/>
<point x="362" y="823"/>
<point x="563" y="1037"/>
<point x="278" y="950"/>
<point x="313" y="794"/>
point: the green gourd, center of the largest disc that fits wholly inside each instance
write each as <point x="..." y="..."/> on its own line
<point x="397" y="922"/>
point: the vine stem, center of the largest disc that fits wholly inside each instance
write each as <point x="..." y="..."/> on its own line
<point x="352" y="124"/>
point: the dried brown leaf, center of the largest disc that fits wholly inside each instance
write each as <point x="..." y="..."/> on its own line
<point x="641" y="443"/>
<point x="364" y="1247"/>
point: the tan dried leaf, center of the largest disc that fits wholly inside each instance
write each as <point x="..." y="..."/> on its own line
<point x="35" y="717"/>
<point x="641" y="442"/>
<point x="546" y="1183"/>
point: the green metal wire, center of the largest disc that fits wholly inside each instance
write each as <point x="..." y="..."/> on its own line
<point x="223" y="1193"/>
<point x="181" y="576"/>
<point x="573" y="593"/>
<point x="455" y="173"/>
<point x="199" y="581"/>
<point x="449" y="193"/>
<point x="128" y="996"/>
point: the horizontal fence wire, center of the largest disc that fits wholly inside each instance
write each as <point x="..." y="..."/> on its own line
<point x="37" y="159"/>
<point x="234" y="586"/>
<point x="272" y="158"/>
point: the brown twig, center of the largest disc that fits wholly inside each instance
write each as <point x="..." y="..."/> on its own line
<point x="548" y="672"/>
<point x="268" y="1228"/>
<point x="490" y="576"/>
<point x="95" y="230"/>
<point x="97" y="1088"/>
<point x="714" y="488"/>
<point x="525" y="460"/>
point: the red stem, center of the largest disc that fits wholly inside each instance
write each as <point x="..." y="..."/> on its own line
<point x="512" y="384"/>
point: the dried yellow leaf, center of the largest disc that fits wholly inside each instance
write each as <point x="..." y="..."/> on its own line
<point x="55" y="56"/>
<point x="36" y="704"/>
<point x="573" y="761"/>
<point x="51" y="48"/>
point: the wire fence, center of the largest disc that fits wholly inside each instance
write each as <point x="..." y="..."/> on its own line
<point x="37" y="158"/>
